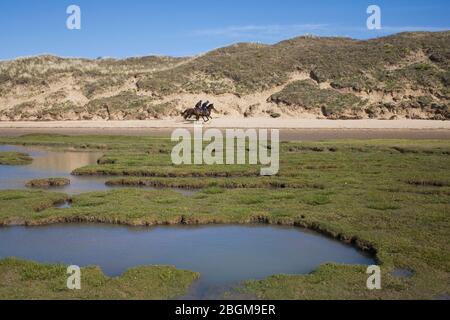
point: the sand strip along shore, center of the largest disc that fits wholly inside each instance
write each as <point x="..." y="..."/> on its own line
<point x="230" y="122"/>
<point x="303" y="129"/>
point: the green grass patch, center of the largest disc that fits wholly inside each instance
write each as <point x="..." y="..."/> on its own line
<point x="307" y="94"/>
<point x="386" y="196"/>
<point x="14" y="158"/>
<point x="48" y="182"/>
<point x="29" y="280"/>
<point x="213" y="190"/>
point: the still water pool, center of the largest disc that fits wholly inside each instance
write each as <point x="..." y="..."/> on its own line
<point x="223" y="254"/>
<point x="48" y="163"/>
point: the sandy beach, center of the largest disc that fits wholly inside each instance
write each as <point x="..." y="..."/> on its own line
<point x="235" y="122"/>
<point x="290" y="129"/>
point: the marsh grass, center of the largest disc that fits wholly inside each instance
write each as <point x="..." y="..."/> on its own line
<point x="48" y="182"/>
<point x="14" y="158"/>
<point x="364" y="198"/>
<point x="29" y="280"/>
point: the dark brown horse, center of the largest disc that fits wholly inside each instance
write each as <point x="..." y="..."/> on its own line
<point x="197" y="113"/>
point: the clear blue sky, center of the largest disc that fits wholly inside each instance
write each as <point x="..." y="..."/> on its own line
<point x="118" y="28"/>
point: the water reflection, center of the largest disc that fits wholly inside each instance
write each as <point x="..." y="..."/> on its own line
<point x="64" y="161"/>
<point x="49" y="163"/>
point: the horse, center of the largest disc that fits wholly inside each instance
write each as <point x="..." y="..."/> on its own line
<point x="205" y="114"/>
<point x="209" y="110"/>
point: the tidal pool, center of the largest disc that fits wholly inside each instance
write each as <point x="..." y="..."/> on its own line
<point x="223" y="254"/>
<point x="49" y="163"/>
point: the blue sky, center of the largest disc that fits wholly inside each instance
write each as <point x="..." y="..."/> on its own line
<point x="118" y="28"/>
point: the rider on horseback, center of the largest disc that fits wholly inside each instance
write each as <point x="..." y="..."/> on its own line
<point x="205" y="106"/>
<point x="201" y="109"/>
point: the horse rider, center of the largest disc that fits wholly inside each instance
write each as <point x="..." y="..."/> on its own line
<point x="198" y="105"/>
<point x="205" y="106"/>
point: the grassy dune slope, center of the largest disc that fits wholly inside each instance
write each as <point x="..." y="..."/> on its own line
<point x="405" y="75"/>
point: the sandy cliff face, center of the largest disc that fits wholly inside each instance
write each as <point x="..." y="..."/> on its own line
<point x="401" y="76"/>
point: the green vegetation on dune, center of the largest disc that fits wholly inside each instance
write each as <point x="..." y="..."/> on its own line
<point x="126" y="105"/>
<point x="386" y="196"/>
<point x="308" y="95"/>
<point x="41" y="69"/>
<point x="399" y="62"/>
<point x="28" y="280"/>
<point x="91" y="89"/>
<point x="405" y="75"/>
<point x="14" y="158"/>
